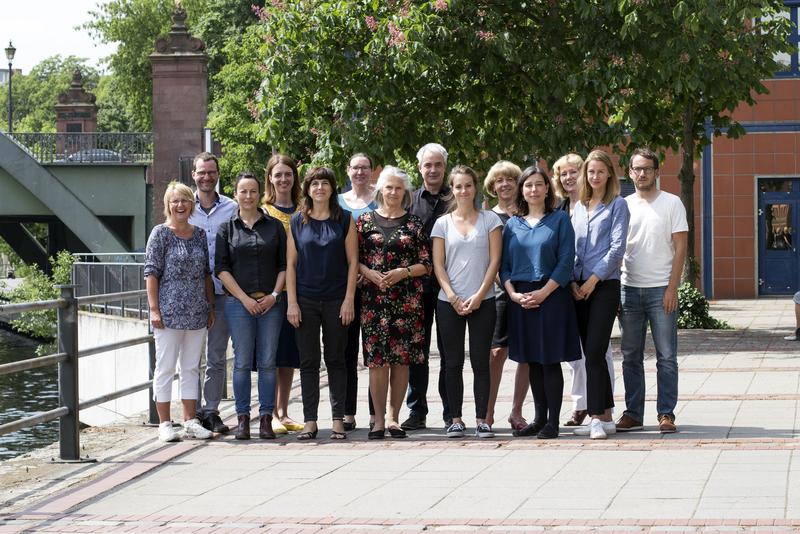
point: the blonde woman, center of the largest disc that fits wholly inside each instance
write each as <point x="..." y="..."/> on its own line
<point x="501" y="183"/>
<point x="180" y="295"/>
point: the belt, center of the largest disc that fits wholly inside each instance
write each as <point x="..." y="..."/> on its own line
<point x="257" y="294"/>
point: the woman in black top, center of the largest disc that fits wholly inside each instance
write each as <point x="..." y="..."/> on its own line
<point x="250" y="261"/>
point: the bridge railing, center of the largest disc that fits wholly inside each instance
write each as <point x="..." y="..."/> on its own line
<point x="100" y="274"/>
<point x="88" y="148"/>
<point x="67" y="359"/>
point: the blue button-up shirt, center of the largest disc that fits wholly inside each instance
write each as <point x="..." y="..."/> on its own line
<point x="222" y="210"/>
<point x="540" y="252"/>
<point x="600" y="240"/>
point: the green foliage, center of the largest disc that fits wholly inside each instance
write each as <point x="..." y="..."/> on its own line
<point x="39" y="286"/>
<point x="35" y="93"/>
<point x="693" y="310"/>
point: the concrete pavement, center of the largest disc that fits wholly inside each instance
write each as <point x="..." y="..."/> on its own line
<point x="734" y="465"/>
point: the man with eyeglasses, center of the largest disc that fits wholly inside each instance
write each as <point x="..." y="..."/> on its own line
<point x="212" y="209"/>
<point x="651" y="273"/>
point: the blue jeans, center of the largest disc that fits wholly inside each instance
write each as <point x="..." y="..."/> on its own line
<point x="253" y="335"/>
<point x="640" y="306"/>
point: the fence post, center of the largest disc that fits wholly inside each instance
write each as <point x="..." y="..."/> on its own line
<point x="152" y="414"/>
<point x="68" y="425"/>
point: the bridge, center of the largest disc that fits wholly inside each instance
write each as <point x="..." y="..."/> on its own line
<point x="90" y="188"/>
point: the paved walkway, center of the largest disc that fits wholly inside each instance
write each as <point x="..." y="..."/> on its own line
<point x="734" y="465"/>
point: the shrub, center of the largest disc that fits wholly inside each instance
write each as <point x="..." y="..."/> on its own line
<point x="37" y="285"/>
<point x="693" y="310"/>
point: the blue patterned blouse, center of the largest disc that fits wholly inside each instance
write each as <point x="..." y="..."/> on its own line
<point x="181" y="267"/>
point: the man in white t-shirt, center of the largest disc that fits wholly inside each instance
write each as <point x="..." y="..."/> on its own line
<point x="651" y="274"/>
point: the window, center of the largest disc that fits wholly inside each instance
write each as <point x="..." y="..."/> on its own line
<point x="791" y="67"/>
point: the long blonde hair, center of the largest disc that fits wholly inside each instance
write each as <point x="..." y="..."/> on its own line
<point x="612" y="185"/>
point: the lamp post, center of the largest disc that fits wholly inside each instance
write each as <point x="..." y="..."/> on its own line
<point x="10" y="51"/>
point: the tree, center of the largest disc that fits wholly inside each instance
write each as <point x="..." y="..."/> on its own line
<point x="689" y="64"/>
<point x="136" y="24"/>
<point x="489" y="80"/>
<point x="37" y="92"/>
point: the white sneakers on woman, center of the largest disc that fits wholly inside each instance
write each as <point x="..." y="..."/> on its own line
<point x="597" y="429"/>
<point x="166" y="432"/>
<point x="192" y="429"/>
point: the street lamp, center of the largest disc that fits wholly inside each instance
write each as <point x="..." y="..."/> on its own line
<point x="10" y="51"/>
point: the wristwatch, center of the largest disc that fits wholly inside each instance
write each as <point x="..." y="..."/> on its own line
<point x="276" y="296"/>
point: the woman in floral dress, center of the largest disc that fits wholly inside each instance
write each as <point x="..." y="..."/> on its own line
<point x="394" y="256"/>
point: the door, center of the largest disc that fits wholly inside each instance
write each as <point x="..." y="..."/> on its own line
<point x="778" y="218"/>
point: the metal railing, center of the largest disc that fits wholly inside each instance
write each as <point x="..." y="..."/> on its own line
<point x="67" y="360"/>
<point x="88" y="148"/>
<point x="100" y="274"/>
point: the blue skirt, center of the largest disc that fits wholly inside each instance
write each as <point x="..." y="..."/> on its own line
<point x="547" y="334"/>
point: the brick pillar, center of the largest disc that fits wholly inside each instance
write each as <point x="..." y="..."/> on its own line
<point x="180" y="105"/>
<point x="76" y="113"/>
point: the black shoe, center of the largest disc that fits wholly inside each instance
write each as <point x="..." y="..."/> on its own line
<point x="549" y="431"/>
<point x="243" y="429"/>
<point x="448" y="423"/>
<point x="349" y="426"/>
<point x="213" y="422"/>
<point x="377" y="434"/>
<point x="414" y="422"/>
<point x="397" y="433"/>
<point x="531" y="429"/>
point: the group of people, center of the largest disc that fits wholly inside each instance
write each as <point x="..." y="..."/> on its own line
<point x="538" y="279"/>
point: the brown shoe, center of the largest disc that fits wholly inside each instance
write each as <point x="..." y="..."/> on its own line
<point x="577" y="418"/>
<point x="626" y="423"/>
<point x="666" y="424"/>
<point x="243" y="429"/>
<point x="265" y="429"/>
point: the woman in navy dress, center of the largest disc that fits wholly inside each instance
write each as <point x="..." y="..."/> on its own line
<point x="538" y="257"/>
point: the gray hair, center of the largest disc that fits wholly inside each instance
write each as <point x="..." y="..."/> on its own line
<point x="432" y="147"/>
<point x="393" y="172"/>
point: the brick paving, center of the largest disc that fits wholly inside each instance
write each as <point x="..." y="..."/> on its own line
<point x="733" y="467"/>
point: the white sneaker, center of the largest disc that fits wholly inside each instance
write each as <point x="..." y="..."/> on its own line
<point x="166" y="433"/>
<point x="193" y="429"/>
<point x="609" y="427"/>
<point x="596" y="430"/>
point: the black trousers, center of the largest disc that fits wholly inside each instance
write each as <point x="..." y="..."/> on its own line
<point x="324" y="314"/>
<point x="417" y="398"/>
<point x="481" y="328"/>
<point x="595" y="321"/>
<point x="351" y="360"/>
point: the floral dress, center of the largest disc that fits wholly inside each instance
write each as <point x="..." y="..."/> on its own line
<point x="392" y="321"/>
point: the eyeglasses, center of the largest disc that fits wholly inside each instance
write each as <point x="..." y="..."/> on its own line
<point x="206" y="173"/>
<point x="643" y="170"/>
<point x="361" y="168"/>
<point x="180" y="201"/>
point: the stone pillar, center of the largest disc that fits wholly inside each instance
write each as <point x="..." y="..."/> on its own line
<point x="180" y="105"/>
<point x="76" y="113"/>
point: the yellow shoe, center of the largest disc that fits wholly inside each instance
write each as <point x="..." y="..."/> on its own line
<point x="278" y="428"/>
<point x="294" y="427"/>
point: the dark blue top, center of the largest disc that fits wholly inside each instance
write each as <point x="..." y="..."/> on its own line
<point x="321" y="257"/>
<point x="544" y="251"/>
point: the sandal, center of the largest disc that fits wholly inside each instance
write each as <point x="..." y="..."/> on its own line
<point x="531" y="429"/>
<point x="517" y="424"/>
<point x="338" y="435"/>
<point x="349" y="426"/>
<point x="306" y="436"/>
<point x="577" y="418"/>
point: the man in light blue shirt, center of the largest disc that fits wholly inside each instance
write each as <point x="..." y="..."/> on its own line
<point x="212" y="209"/>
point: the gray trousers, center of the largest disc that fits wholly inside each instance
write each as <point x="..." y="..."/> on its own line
<point x="216" y="348"/>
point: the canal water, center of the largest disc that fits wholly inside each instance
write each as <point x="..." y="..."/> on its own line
<point x="23" y="394"/>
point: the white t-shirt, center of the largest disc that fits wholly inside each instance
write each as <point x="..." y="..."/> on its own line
<point x="649" y="251"/>
<point x="466" y="258"/>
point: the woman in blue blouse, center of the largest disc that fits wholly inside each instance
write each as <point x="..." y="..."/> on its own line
<point x="322" y="265"/>
<point x="601" y="220"/>
<point x="538" y="257"/>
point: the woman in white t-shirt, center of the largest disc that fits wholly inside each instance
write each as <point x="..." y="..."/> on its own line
<point x="467" y="244"/>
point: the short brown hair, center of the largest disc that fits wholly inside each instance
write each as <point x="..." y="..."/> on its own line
<point x="646" y="153"/>
<point x="612" y="184"/>
<point x="320" y="173"/>
<point x="204" y="156"/>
